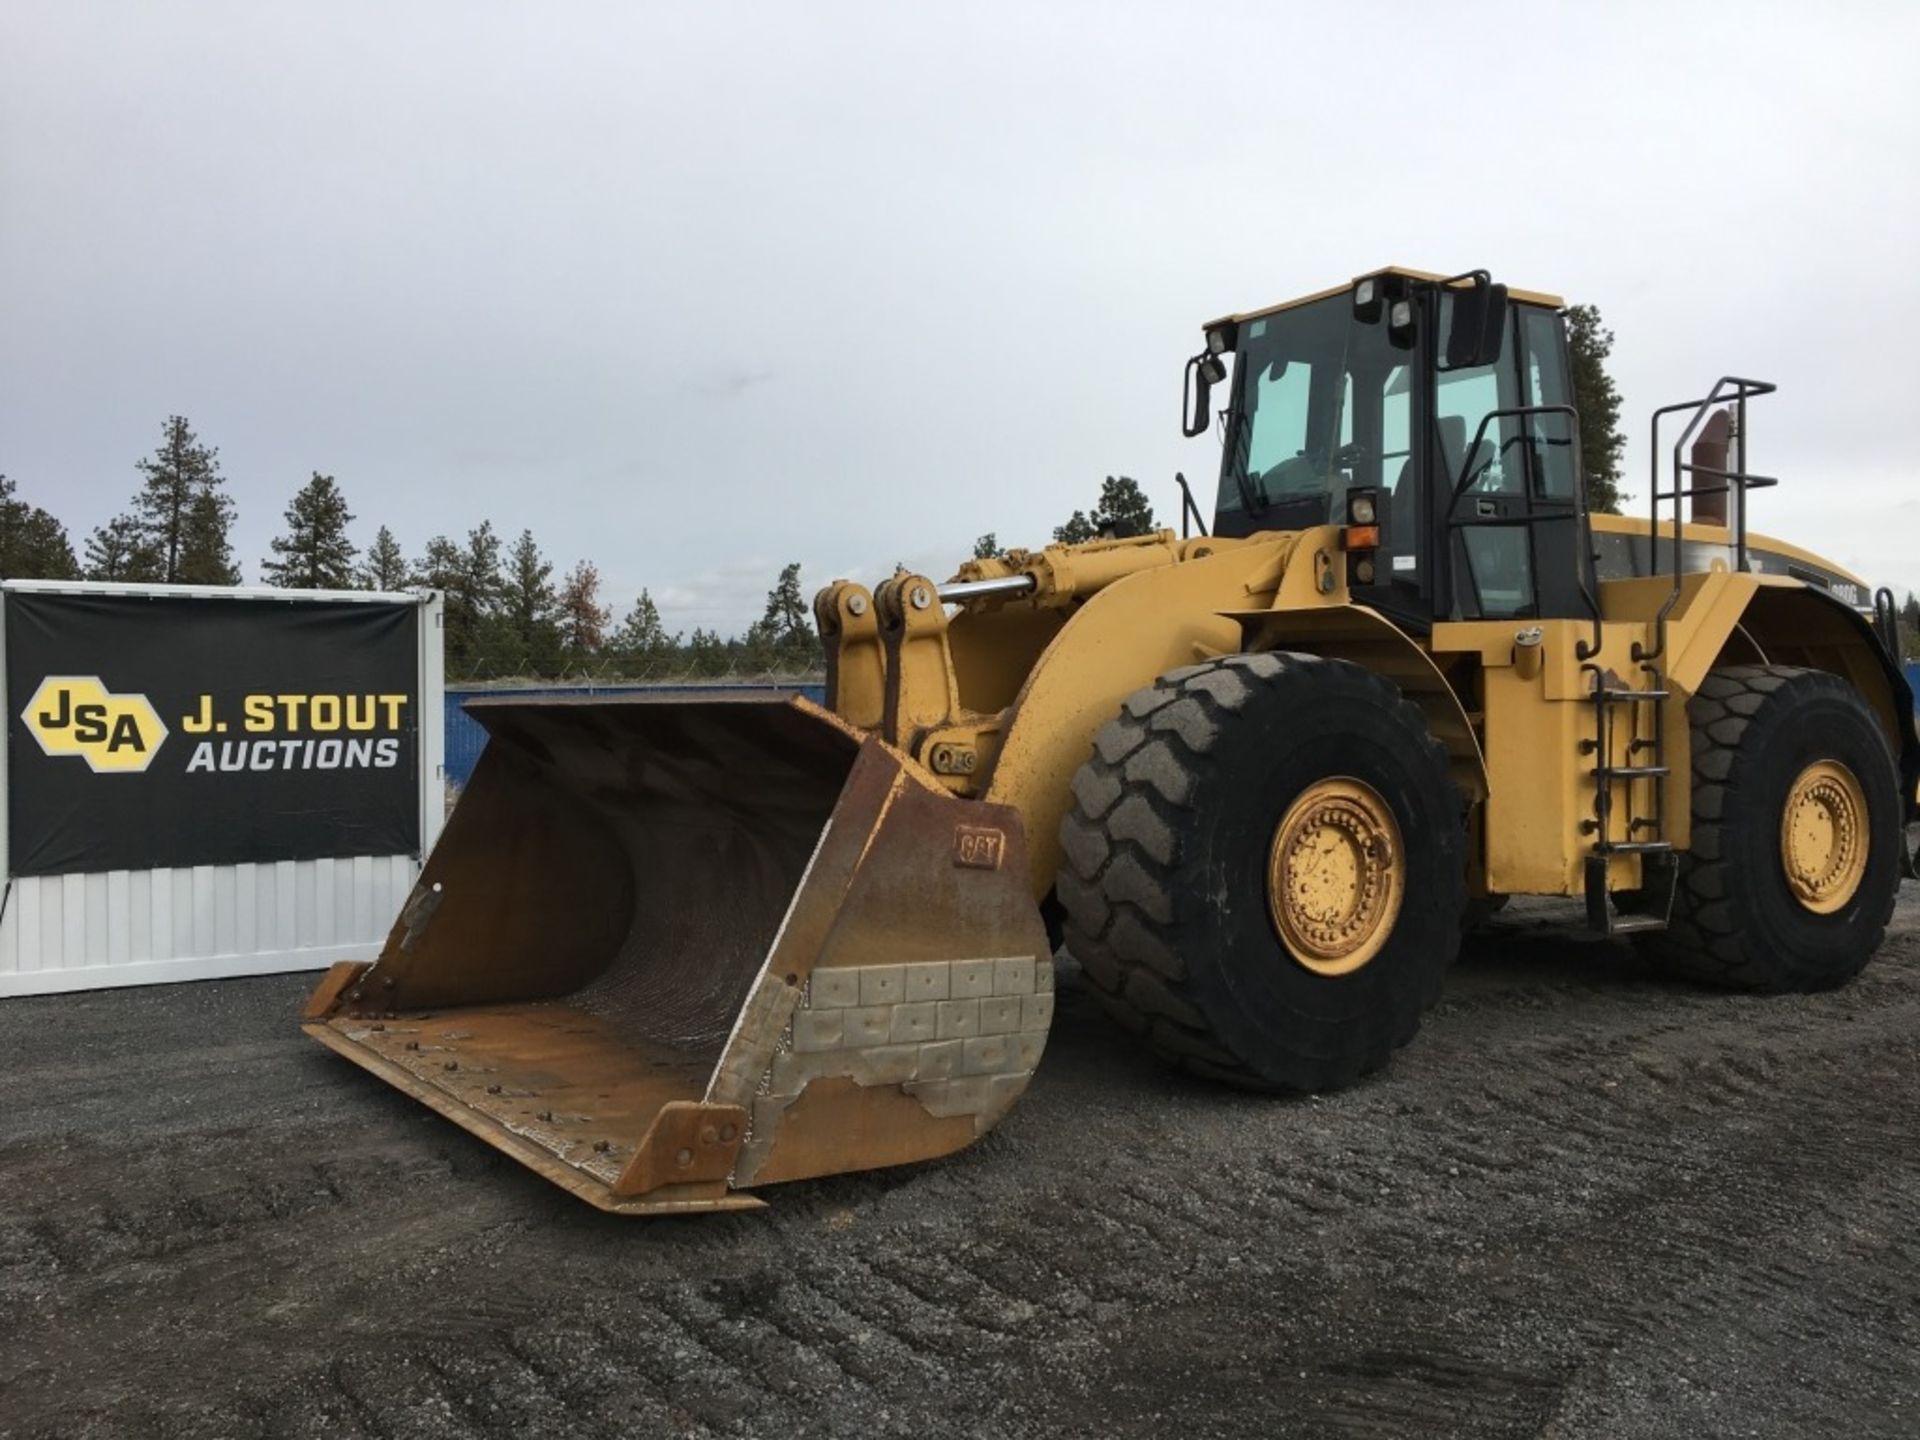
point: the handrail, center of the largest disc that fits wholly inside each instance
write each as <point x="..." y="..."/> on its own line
<point x="1512" y="412"/>
<point x="1188" y="507"/>
<point x="1738" y="480"/>
<point x="1886" y="621"/>
<point x="1525" y="413"/>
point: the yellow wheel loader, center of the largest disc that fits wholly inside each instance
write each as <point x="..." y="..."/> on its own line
<point x="1255" y="776"/>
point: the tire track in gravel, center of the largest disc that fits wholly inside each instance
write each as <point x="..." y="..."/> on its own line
<point x="87" y="1225"/>
<point x="1587" y="1200"/>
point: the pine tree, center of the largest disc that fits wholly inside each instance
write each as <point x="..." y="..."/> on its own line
<point x="987" y="547"/>
<point x="33" y="544"/>
<point x="315" y="553"/>
<point x="440" y="566"/>
<point x="480" y="564"/>
<point x="207" y="557"/>
<point x="1910" y="627"/>
<point x="1589" y="343"/>
<point x="385" y="566"/>
<point x="45" y="551"/>
<point x="1124" y="510"/>
<point x="642" y="642"/>
<point x="468" y="581"/>
<point x="787" y="610"/>
<point x="119" y="550"/>
<point x="583" y="619"/>
<point x="707" y="654"/>
<point x="481" y="588"/>
<point x="783" y="639"/>
<point x="528" y="630"/>
<point x="183" y="515"/>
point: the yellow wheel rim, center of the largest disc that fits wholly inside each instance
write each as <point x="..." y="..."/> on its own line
<point x="1335" y="876"/>
<point x="1823" y="836"/>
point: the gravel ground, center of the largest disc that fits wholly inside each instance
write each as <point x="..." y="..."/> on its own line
<point x="1585" y="1203"/>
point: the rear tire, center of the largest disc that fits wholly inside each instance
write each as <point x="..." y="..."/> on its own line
<point x="1188" y="833"/>
<point x="1767" y="740"/>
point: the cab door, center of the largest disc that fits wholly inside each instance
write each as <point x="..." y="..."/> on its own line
<point x="1505" y="481"/>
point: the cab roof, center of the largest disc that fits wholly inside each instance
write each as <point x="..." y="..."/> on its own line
<point x="1524" y="297"/>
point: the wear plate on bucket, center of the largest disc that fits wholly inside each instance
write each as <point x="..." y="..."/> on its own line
<point x="665" y="950"/>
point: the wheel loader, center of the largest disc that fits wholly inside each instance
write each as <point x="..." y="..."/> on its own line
<point x="1256" y="776"/>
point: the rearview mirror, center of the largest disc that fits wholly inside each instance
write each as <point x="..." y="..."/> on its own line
<point x="1479" y="326"/>
<point x="1204" y="371"/>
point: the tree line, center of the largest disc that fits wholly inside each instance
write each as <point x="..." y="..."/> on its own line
<point x="506" y="614"/>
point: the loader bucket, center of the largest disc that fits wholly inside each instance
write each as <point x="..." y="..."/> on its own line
<point x="668" y="950"/>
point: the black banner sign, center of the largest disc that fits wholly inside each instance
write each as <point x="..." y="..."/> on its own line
<point x="174" y="730"/>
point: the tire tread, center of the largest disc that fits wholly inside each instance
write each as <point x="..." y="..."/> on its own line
<point x="1706" y="939"/>
<point x="1121" y="843"/>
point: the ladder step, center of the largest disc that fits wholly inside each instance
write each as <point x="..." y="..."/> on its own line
<point x="1636" y="847"/>
<point x="1632" y="772"/>
<point x="1612" y="694"/>
<point x="1629" y="924"/>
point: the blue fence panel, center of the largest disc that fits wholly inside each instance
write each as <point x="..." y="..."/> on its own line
<point x="466" y="738"/>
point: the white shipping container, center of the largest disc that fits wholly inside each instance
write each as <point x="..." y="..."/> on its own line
<point x="145" y="927"/>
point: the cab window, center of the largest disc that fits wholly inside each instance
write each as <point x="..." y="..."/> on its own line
<point x="1544" y="369"/>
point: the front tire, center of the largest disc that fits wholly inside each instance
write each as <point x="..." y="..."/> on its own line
<point x="1789" y="881"/>
<point x="1263" y="870"/>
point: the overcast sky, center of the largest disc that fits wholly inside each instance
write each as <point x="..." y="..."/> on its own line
<point x="694" y="290"/>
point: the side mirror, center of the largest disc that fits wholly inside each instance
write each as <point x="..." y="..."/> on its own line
<point x="1478" y="332"/>
<point x="1204" y="371"/>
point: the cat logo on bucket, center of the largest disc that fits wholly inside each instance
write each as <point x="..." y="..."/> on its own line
<point x="77" y="715"/>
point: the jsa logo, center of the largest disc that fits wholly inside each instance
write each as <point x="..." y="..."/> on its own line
<point x="77" y="715"/>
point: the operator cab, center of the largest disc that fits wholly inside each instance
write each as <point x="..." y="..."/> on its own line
<point x="1328" y="398"/>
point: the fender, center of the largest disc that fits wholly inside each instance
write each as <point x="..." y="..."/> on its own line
<point x="1793" y="623"/>
<point x="1127" y="635"/>
<point x="1730" y="617"/>
<point x="1369" y="639"/>
<point x="1120" y="639"/>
